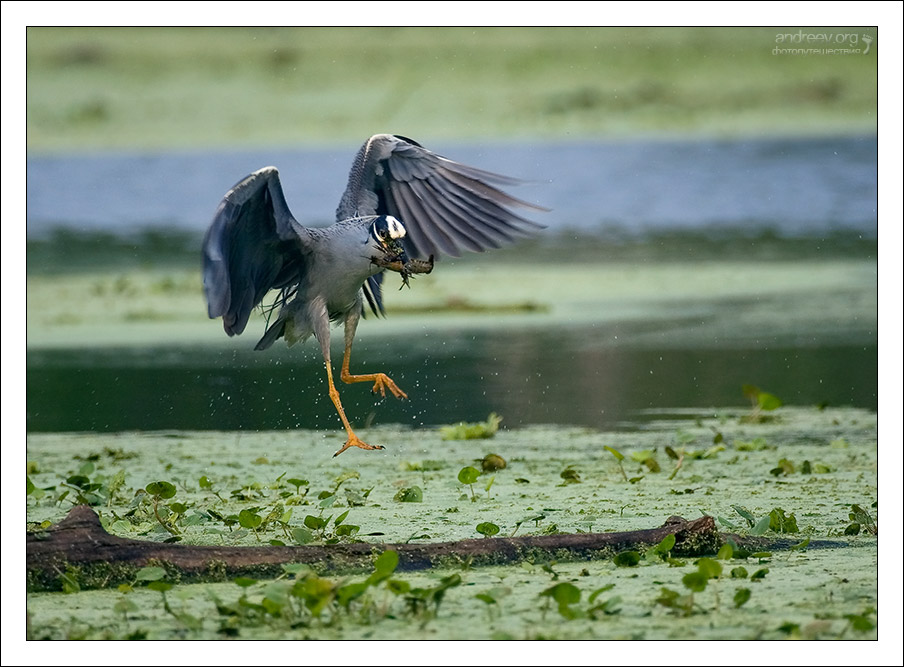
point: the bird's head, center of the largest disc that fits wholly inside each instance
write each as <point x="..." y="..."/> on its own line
<point x="388" y="233"/>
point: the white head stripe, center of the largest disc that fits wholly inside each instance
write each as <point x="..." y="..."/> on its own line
<point x="396" y="228"/>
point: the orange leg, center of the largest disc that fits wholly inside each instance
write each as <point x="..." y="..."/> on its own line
<point x="353" y="440"/>
<point x="381" y="380"/>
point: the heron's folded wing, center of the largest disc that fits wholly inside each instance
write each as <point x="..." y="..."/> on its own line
<point x="446" y="207"/>
<point x="253" y="245"/>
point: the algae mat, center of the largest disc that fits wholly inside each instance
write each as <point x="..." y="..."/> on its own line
<point x="804" y="467"/>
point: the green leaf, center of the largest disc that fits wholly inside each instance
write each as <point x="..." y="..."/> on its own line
<point x="29" y="486"/>
<point x="784" y="467"/>
<point x="386" y="563"/>
<point x="709" y="568"/>
<point x="739" y="573"/>
<point x="69" y="581"/>
<point x="398" y="587"/>
<point x="250" y="519"/>
<point x="204" y="483"/>
<point x="314" y="522"/>
<point x="163" y="490"/>
<point x="754" y="445"/>
<point x="468" y="475"/>
<point x="801" y="546"/>
<point x="617" y="454"/>
<point x="669" y="598"/>
<point x="712" y="451"/>
<point x="244" y="582"/>
<point x="859" y="515"/>
<point x="273" y="607"/>
<point x="150" y="573"/>
<point x="741" y="596"/>
<point x="78" y="480"/>
<point x="160" y="586"/>
<point x="761" y="526"/>
<point x="464" y="431"/>
<point x="339" y="519"/>
<point x="570" y="475"/>
<point x="781" y="523"/>
<point x="790" y="629"/>
<point x="599" y="591"/>
<point x="344" y="477"/>
<point x="751" y="521"/>
<point x="860" y="623"/>
<point x="726" y="552"/>
<point x="852" y="529"/>
<point x="768" y="401"/>
<point x="302" y="535"/>
<point x="609" y="607"/>
<point x="345" y="594"/>
<point x="295" y="568"/>
<point x="347" y="529"/>
<point x="626" y="559"/>
<point x="412" y="494"/>
<point x="487" y="528"/>
<point x="759" y="574"/>
<point x="666" y="544"/>
<point x="563" y="593"/>
<point x="695" y="581"/>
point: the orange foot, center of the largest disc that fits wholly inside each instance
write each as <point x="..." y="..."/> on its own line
<point x="355" y="441"/>
<point x="382" y="383"/>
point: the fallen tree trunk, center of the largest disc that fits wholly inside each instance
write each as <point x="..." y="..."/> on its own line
<point x="80" y="550"/>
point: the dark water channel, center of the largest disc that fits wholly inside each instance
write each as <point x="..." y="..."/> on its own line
<point x="530" y="377"/>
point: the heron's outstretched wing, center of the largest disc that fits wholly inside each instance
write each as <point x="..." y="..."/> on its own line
<point x="253" y="245"/>
<point x="446" y="207"/>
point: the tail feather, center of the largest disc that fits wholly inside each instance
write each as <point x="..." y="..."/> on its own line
<point x="273" y="333"/>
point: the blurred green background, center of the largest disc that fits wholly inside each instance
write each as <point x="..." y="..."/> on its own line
<point x="175" y="88"/>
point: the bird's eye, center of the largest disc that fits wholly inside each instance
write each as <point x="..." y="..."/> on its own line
<point x="387" y="231"/>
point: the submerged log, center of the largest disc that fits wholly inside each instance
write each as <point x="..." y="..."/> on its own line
<point x="80" y="550"/>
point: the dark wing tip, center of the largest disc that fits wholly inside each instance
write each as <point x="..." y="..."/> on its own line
<point x="404" y="138"/>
